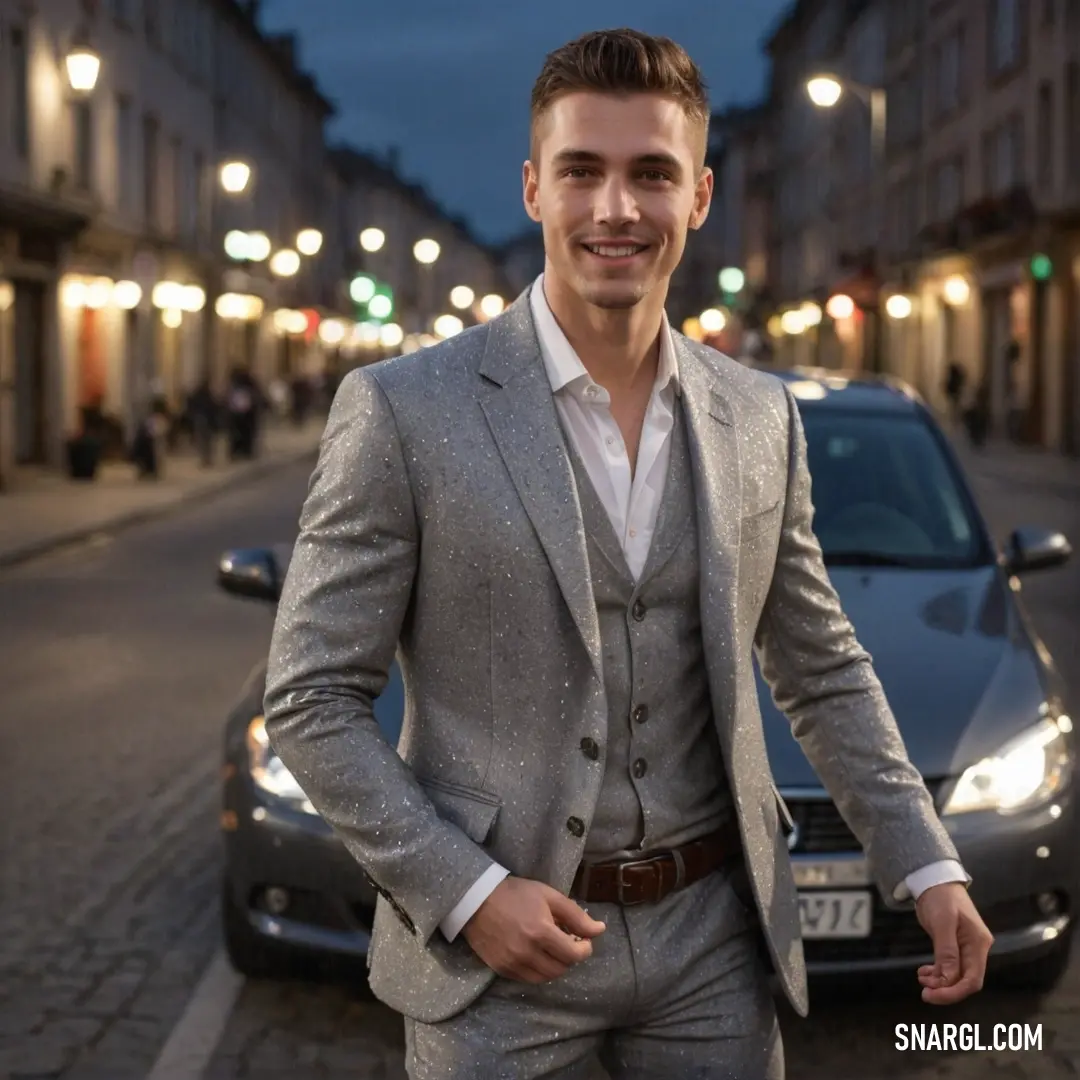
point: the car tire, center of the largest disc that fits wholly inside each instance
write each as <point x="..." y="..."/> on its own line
<point x="1040" y="976"/>
<point x="251" y="954"/>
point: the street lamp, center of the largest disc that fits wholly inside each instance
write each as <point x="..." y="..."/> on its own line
<point x="461" y="297"/>
<point x="309" y="242"/>
<point x="83" y="67"/>
<point x="235" y="177"/>
<point x="426" y="251"/>
<point x="372" y="239"/>
<point x="285" y="263"/>
<point x="492" y="305"/>
<point x="825" y="91"/>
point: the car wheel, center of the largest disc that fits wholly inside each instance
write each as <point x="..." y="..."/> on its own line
<point x="1039" y="976"/>
<point x="249" y="952"/>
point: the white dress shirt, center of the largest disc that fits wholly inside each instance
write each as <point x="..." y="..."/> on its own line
<point x="632" y="501"/>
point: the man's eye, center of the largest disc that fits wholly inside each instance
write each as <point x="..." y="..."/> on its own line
<point x="577" y="173"/>
<point x="655" y="175"/>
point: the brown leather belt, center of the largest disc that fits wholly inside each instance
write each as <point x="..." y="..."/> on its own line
<point x="650" y="879"/>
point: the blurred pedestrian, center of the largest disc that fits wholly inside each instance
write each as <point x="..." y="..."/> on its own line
<point x="955" y="382"/>
<point x="149" y="441"/>
<point x="204" y="419"/>
<point x="244" y="404"/>
<point x="579" y="528"/>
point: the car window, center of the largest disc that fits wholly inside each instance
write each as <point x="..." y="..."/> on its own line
<point x="883" y="486"/>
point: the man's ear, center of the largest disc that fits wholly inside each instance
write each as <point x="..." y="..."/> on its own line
<point x="530" y="190"/>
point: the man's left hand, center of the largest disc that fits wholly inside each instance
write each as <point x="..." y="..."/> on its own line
<point x="961" y="944"/>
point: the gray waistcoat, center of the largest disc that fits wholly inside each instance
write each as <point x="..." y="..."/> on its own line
<point x="664" y="780"/>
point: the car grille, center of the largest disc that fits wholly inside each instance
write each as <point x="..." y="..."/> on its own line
<point x="821" y="829"/>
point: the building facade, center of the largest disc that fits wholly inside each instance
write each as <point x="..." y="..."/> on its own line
<point x="930" y="215"/>
<point x="170" y="212"/>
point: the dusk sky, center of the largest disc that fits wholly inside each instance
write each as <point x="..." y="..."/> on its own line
<point x="449" y="83"/>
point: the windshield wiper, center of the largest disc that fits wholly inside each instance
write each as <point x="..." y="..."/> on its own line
<point x="870" y="558"/>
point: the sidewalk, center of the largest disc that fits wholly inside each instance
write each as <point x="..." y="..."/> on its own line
<point x="1021" y="466"/>
<point x="45" y="510"/>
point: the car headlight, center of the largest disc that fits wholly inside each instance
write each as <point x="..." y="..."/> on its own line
<point x="269" y="773"/>
<point x="1029" y="769"/>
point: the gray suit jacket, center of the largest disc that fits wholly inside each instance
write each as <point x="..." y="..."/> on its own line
<point x="443" y="524"/>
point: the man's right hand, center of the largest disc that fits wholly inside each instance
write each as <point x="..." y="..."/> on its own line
<point x="527" y="931"/>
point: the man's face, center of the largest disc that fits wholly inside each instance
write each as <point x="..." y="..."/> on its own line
<point x="615" y="182"/>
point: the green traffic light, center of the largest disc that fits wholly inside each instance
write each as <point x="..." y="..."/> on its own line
<point x="1041" y="267"/>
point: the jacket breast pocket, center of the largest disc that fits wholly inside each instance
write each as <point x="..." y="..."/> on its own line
<point x="473" y="811"/>
<point x="761" y="521"/>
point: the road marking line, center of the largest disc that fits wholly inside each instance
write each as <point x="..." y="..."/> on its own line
<point x="192" y="1043"/>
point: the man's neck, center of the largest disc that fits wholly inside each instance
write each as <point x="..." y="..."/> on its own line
<point x="620" y="349"/>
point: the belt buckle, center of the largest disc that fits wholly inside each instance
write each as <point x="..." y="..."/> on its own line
<point x="620" y="880"/>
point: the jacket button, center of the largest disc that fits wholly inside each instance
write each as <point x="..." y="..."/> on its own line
<point x="641" y="714"/>
<point x="590" y="749"/>
<point x="640" y="768"/>
<point x="576" y="826"/>
<point x="638" y="610"/>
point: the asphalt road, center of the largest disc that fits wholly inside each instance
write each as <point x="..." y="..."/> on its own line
<point x="117" y="664"/>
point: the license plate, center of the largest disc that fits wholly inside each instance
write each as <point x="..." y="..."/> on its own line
<point x="835" y="914"/>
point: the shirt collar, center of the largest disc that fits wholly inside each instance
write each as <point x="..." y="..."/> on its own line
<point x="562" y="363"/>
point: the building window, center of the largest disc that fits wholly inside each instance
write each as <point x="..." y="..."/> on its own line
<point x="150" y="170"/>
<point x="947" y="193"/>
<point x="1044" y="164"/>
<point x="125" y="158"/>
<point x="1071" y="118"/>
<point x="949" y="57"/>
<point x="83" y="120"/>
<point x="1006" y="35"/>
<point x="121" y="11"/>
<point x="181" y="204"/>
<point x="1003" y="157"/>
<point x="20" y="90"/>
<point x="152" y="21"/>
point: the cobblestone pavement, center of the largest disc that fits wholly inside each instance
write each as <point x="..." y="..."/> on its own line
<point x="117" y="664"/>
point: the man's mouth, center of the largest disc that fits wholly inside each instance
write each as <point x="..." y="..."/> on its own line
<point x="615" y="251"/>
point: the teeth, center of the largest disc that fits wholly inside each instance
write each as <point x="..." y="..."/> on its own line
<point x="613" y="252"/>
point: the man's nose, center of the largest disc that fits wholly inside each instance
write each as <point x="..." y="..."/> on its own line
<point x="615" y="204"/>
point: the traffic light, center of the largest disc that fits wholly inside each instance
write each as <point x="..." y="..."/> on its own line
<point x="1041" y="267"/>
<point x="732" y="281"/>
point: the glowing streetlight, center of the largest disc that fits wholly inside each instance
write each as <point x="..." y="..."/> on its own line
<point x="824" y="91"/>
<point x="83" y="67"/>
<point x="426" y="251"/>
<point x="956" y="290"/>
<point x="235" y="177"/>
<point x="380" y="307"/>
<point x="99" y="293"/>
<point x="792" y="322"/>
<point x="448" y="325"/>
<point x="309" y="242"/>
<point x="712" y="320"/>
<point x="362" y="288"/>
<point x="840" y="307"/>
<point x="898" y="306"/>
<point x="285" y="263"/>
<point x="127" y="295"/>
<point x="731" y="279"/>
<point x="492" y="305"/>
<point x="237" y="245"/>
<point x="332" y="332"/>
<point x="391" y="336"/>
<point x="372" y="239"/>
<point x="192" y="299"/>
<point x="168" y="296"/>
<point x="258" y="247"/>
<point x="172" y="317"/>
<point x="462" y="297"/>
<point x="811" y="314"/>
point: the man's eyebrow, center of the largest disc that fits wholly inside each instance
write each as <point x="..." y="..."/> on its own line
<point x="589" y="157"/>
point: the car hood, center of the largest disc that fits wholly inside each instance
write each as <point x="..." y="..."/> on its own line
<point x="958" y="668"/>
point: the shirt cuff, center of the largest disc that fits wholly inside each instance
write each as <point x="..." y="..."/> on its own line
<point x="470" y="903"/>
<point x="939" y="873"/>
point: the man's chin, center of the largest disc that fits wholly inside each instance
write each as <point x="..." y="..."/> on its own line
<point x="613" y="296"/>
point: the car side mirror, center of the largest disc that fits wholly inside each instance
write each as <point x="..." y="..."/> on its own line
<point x="252" y="573"/>
<point x="1036" y="549"/>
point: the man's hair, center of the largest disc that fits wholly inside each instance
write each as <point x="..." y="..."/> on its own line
<point x="623" y="62"/>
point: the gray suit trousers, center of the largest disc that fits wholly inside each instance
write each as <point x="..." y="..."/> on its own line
<point x="673" y="991"/>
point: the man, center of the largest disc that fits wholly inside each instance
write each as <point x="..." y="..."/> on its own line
<point x="575" y="527"/>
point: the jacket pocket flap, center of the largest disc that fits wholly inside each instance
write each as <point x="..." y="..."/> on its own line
<point x="472" y="811"/>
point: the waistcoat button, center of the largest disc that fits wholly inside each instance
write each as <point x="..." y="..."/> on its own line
<point x="640" y="767"/>
<point x="576" y="826"/>
<point x="641" y="714"/>
<point x="638" y="610"/>
<point x="590" y="749"/>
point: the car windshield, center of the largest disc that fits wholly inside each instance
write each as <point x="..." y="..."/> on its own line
<point x="886" y="494"/>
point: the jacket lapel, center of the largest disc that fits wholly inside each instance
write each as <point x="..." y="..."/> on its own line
<point x="520" y="410"/>
<point x="717" y="468"/>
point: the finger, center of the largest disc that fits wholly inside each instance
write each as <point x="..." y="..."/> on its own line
<point x="950" y="995"/>
<point x="536" y="970"/>
<point x="947" y="955"/>
<point x="575" y="919"/>
<point x="564" y="949"/>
